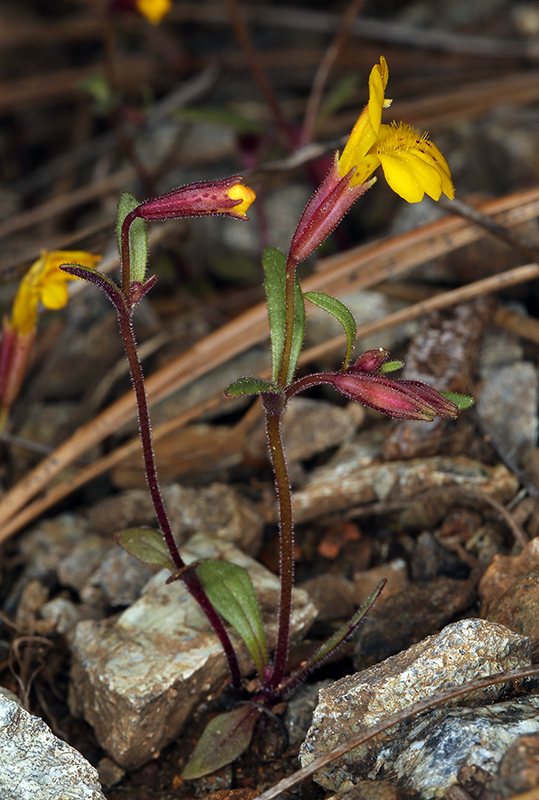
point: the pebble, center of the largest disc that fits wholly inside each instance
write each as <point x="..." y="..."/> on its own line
<point x="504" y="571"/>
<point x="136" y="678"/>
<point x="118" y="580"/>
<point x="431" y="559"/>
<point x="299" y="712"/>
<point x="333" y="595"/>
<point x="402" y="619"/>
<point x="459" y="653"/>
<point x="35" y="764"/>
<point x="518" y="609"/>
<point x="518" y="771"/>
<point x="75" y="568"/>
<point x="428" y="755"/>
<point x="395" y="572"/>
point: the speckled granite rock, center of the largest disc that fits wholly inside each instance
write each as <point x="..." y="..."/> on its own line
<point x="137" y="678"/>
<point x="460" y="652"/>
<point x="430" y="752"/>
<point x="35" y="765"/>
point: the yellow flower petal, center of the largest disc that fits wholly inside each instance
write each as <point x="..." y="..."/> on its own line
<point x="46" y="282"/>
<point x="54" y="294"/>
<point x="401" y="177"/>
<point x="154" y="10"/>
<point x="244" y="193"/>
<point x="365" y="131"/>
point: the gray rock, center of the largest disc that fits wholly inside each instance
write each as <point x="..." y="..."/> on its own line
<point x="508" y="402"/>
<point x="460" y="652"/>
<point x="137" y="678"/>
<point x="118" y="581"/>
<point x="299" y="713"/>
<point x="429" y="753"/>
<point x="350" y="480"/>
<point x="35" y="765"/>
<point x="75" y="568"/>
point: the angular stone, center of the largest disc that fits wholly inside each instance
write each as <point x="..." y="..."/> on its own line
<point x="348" y="481"/>
<point x="75" y="568"/>
<point x="504" y="571"/>
<point x="118" y="581"/>
<point x="429" y="753"/>
<point x="137" y="678"/>
<point x="518" y="609"/>
<point x="35" y="764"/>
<point x="459" y="653"/>
<point x="400" y="620"/>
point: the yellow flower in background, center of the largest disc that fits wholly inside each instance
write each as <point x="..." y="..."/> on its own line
<point x="46" y="283"/>
<point x="154" y="10"/>
<point x="412" y="164"/>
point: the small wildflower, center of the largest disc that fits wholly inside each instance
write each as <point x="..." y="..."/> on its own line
<point x="227" y="196"/>
<point x="153" y="10"/>
<point x="412" y="165"/>
<point x="46" y="283"/>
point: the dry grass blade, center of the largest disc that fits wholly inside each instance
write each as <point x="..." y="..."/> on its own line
<point x="359" y="268"/>
<point x="407" y="713"/>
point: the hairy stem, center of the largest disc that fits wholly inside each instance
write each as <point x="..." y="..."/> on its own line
<point x="274" y="414"/>
<point x="189" y="577"/>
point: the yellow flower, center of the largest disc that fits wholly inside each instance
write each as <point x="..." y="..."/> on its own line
<point x="45" y="282"/>
<point x="411" y="163"/>
<point x="154" y="10"/>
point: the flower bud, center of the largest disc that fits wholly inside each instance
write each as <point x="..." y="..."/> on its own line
<point x="227" y="196"/>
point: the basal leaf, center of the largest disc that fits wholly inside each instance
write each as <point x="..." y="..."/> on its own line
<point x="146" y="544"/>
<point x="138" y="237"/>
<point x="462" y="401"/>
<point x="231" y="591"/>
<point x="224" y="739"/>
<point x="250" y="385"/>
<point x="340" y="312"/>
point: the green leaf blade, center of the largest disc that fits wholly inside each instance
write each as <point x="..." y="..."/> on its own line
<point x="224" y="739"/>
<point x="298" y="333"/>
<point x="462" y="401"/>
<point x="230" y="590"/>
<point x="146" y="544"/>
<point x="274" y="265"/>
<point x="341" y="313"/>
<point x="138" y="237"/>
<point x="250" y="385"/>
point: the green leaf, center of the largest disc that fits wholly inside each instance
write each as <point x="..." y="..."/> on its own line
<point x="146" y="544"/>
<point x="391" y="366"/>
<point x="231" y="591"/>
<point x="219" y="116"/>
<point x="340" y="312"/>
<point x="250" y="385"/>
<point x="299" y="331"/>
<point x="274" y="264"/>
<point x="138" y="238"/>
<point x="460" y="400"/>
<point x="224" y="739"/>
